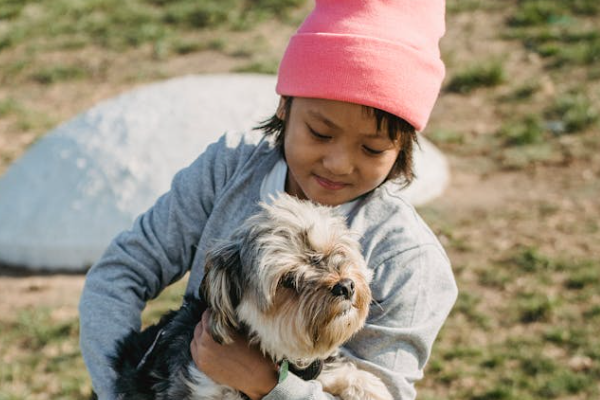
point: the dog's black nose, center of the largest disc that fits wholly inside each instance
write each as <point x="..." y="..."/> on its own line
<point x="345" y="288"/>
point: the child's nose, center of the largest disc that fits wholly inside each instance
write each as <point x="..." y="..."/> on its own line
<point x="338" y="163"/>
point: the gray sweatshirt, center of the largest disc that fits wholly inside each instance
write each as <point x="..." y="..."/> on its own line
<point x="413" y="284"/>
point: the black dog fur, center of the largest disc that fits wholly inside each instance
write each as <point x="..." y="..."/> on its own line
<point x="146" y="361"/>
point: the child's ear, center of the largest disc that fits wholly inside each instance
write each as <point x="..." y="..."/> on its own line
<point x="281" y="108"/>
<point x="222" y="289"/>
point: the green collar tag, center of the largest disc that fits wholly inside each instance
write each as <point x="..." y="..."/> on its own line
<point x="283" y="371"/>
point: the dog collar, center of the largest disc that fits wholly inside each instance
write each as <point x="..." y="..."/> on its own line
<point x="282" y="371"/>
<point x="284" y="367"/>
<point x="150" y="349"/>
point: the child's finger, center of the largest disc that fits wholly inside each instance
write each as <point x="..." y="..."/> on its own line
<point x="205" y="319"/>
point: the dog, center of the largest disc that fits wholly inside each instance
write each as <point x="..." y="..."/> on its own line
<point x="291" y="279"/>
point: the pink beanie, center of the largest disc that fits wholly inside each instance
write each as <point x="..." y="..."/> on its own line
<point x="378" y="53"/>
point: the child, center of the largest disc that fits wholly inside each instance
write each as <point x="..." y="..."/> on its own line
<point x="357" y="80"/>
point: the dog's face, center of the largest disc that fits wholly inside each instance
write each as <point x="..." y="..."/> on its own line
<point x="294" y="276"/>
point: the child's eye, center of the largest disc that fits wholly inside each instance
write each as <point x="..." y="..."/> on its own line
<point x="372" y="151"/>
<point x="318" y="135"/>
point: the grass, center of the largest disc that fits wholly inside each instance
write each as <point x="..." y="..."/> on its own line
<point x="544" y="12"/>
<point x="529" y="259"/>
<point x="8" y="106"/>
<point x="114" y="24"/>
<point x="32" y="31"/>
<point x="514" y="368"/>
<point x="527" y="139"/>
<point x="525" y="321"/>
<point x="575" y="111"/>
<point x="481" y="75"/>
<point x="58" y="73"/>
<point x="22" y="118"/>
<point x="183" y="47"/>
<point x="463" y="6"/>
<point x="470" y="306"/>
<point x="524" y="142"/>
<point x="525" y="324"/>
<point x="536" y="343"/>
<point x="39" y="357"/>
<point x="536" y="114"/>
<point x="528" y="131"/>
<point x="170" y="299"/>
<point x="447" y="137"/>
<point x="562" y="46"/>
<point x="560" y="31"/>
<point x="522" y="92"/>
<point x="259" y="68"/>
<point x="39" y="351"/>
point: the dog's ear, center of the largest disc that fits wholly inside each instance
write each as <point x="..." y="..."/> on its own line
<point x="222" y="289"/>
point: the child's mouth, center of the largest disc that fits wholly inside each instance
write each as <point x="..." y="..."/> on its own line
<point x="330" y="185"/>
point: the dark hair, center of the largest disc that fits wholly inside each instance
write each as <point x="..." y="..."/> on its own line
<point x="398" y="130"/>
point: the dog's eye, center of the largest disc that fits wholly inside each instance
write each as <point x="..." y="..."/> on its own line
<point x="315" y="259"/>
<point x="288" y="282"/>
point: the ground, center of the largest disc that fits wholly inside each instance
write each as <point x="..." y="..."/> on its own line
<point x="518" y="120"/>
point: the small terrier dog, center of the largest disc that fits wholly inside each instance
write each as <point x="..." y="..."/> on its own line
<point x="292" y="279"/>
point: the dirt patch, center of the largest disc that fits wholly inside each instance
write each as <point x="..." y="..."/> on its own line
<point x="57" y="292"/>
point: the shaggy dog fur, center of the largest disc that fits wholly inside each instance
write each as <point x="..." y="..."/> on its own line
<point x="293" y="280"/>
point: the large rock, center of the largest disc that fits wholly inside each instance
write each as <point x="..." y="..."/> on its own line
<point x="82" y="183"/>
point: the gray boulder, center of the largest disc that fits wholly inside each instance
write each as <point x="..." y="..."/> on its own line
<point x="85" y="181"/>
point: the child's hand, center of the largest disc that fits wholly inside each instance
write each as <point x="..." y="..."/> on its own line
<point x="238" y="365"/>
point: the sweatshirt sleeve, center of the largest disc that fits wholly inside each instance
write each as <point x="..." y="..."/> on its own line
<point x="414" y="292"/>
<point x="140" y="262"/>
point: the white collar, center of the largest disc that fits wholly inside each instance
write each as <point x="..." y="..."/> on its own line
<point x="274" y="183"/>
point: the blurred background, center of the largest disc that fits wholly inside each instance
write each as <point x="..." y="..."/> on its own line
<point x="518" y="119"/>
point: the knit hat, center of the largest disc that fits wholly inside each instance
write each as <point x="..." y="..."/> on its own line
<point x="378" y="53"/>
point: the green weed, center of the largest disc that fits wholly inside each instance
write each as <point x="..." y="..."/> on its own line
<point x="520" y="157"/>
<point x="59" y="73"/>
<point x="543" y="12"/>
<point x="528" y="131"/>
<point x="36" y="329"/>
<point x="583" y="275"/>
<point x="10" y="9"/>
<point x="192" y="46"/>
<point x="495" y="277"/>
<point x="565" y="383"/>
<point x="463" y="352"/>
<point x="467" y="304"/>
<point x="523" y="92"/>
<point x="170" y="299"/>
<point x="531" y="260"/>
<point x="199" y="14"/>
<point x="498" y="393"/>
<point x="563" y="46"/>
<point x="8" y="106"/>
<point x="569" y="336"/>
<point x="13" y="69"/>
<point x="537" y="12"/>
<point x="575" y="112"/>
<point x="592" y="312"/>
<point x="443" y="136"/>
<point x="488" y="74"/>
<point x="259" y="68"/>
<point x="459" y="6"/>
<point x="534" y="307"/>
<point x="582" y="53"/>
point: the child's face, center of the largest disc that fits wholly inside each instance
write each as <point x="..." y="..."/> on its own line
<point x="333" y="151"/>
